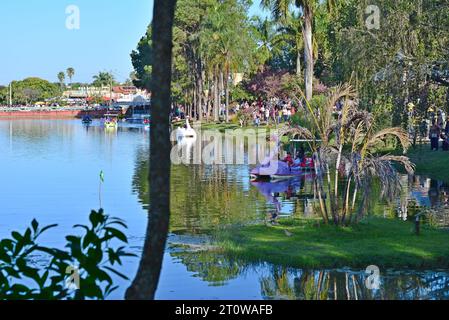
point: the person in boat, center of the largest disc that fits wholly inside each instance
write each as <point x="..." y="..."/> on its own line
<point x="300" y="158"/>
<point x="289" y="160"/>
<point x="307" y="163"/>
<point x="297" y="162"/>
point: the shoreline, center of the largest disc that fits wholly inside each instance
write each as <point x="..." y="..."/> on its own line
<point x="375" y="241"/>
<point x="51" y="114"/>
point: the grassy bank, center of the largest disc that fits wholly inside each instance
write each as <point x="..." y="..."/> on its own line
<point x="430" y="163"/>
<point x="385" y="243"/>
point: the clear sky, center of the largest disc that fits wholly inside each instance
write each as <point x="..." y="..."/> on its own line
<point x="36" y="42"/>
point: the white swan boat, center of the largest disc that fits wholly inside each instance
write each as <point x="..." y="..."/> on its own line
<point x="185" y="132"/>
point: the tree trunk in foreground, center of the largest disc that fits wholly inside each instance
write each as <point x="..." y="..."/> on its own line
<point x="308" y="52"/>
<point x="146" y="281"/>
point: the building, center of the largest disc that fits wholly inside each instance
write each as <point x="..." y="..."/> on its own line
<point x="121" y="95"/>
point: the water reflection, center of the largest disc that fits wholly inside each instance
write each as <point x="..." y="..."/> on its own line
<point x="289" y="197"/>
<point x="423" y="195"/>
<point x="280" y="283"/>
<point x="204" y="198"/>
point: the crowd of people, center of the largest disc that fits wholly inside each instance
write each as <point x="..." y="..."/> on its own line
<point x="437" y="132"/>
<point x="272" y="111"/>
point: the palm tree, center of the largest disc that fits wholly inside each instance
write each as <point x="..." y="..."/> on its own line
<point x="103" y="79"/>
<point x="268" y="38"/>
<point x="146" y="281"/>
<point x="281" y="11"/>
<point x="346" y="144"/>
<point x="292" y="32"/>
<point x="61" y="78"/>
<point x="70" y="73"/>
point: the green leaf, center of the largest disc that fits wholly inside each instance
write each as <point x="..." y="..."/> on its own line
<point x="96" y="218"/>
<point x="117" y="273"/>
<point x="17" y="236"/>
<point x="35" y="225"/>
<point x="47" y="228"/>
<point x="117" y="234"/>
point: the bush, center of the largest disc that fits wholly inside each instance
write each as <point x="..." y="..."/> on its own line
<point x="82" y="272"/>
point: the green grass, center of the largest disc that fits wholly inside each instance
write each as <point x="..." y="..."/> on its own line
<point x="375" y="241"/>
<point x="430" y="163"/>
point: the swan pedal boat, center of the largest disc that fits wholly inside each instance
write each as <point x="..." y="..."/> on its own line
<point x="277" y="170"/>
<point x="186" y="132"/>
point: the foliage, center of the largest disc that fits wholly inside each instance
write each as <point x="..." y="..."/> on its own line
<point x="30" y="90"/>
<point x="403" y="59"/>
<point x="213" y="40"/>
<point x="273" y="83"/>
<point x="61" y="79"/>
<point x="91" y="256"/>
<point x="103" y="79"/>
<point x="70" y="73"/>
<point x="240" y="93"/>
<point x="346" y="146"/>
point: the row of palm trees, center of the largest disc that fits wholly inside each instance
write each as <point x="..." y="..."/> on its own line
<point x="214" y="44"/>
<point x="70" y="72"/>
<point x="221" y="43"/>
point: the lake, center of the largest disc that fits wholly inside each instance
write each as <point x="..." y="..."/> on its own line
<point x="50" y="171"/>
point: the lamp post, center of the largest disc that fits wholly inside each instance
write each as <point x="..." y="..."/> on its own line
<point x="10" y="94"/>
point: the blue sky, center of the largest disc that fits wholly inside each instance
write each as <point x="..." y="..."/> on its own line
<point x="36" y="42"/>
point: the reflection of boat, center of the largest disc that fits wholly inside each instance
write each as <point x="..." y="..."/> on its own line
<point x="147" y="122"/>
<point x="185" y="132"/>
<point x="284" y="194"/>
<point x="280" y="170"/>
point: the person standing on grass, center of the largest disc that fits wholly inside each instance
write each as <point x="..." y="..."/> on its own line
<point x="434" y="137"/>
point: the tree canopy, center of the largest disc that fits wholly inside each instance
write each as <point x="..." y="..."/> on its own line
<point x="30" y="90"/>
<point x="404" y="60"/>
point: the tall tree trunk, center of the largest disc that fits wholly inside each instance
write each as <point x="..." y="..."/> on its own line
<point x="308" y="52"/>
<point x="200" y="86"/>
<point x="195" y="97"/>
<point x="298" y="64"/>
<point x="210" y="101"/>
<point x="227" y="95"/>
<point x="146" y="281"/>
<point x="199" y="106"/>
<point x="216" y="97"/>
<point x="220" y="91"/>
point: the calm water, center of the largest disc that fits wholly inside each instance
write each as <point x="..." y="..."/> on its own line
<point x="50" y="171"/>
